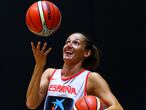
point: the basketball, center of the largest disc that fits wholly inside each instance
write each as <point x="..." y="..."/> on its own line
<point x="88" y="103"/>
<point x="43" y="18"/>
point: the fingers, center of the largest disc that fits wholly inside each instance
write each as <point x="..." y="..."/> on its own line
<point x="33" y="47"/>
<point x="38" y="50"/>
<point x="38" y="45"/>
<point x="44" y="47"/>
<point x="48" y="51"/>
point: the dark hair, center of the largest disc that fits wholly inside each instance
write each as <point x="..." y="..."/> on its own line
<point x="93" y="60"/>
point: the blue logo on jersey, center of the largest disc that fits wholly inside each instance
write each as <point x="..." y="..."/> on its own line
<point x="58" y="104"/>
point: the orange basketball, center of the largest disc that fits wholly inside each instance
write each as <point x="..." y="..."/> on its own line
<point x="88" y="103"/>
<point x="43" y="18"/>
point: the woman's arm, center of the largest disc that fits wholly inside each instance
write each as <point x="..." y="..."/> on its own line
<point x="39" y="82"/>
<point x="98" y="86"/>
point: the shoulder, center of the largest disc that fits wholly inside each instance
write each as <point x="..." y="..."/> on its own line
<point x="48" y="72"/>
<point x="96" y="78"/>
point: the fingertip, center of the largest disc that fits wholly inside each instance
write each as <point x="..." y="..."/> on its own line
<point x="39" y="42"/>
<point x="45" y="43"/>
<point x="50" y="48"/>
<point x="32" y="44"/>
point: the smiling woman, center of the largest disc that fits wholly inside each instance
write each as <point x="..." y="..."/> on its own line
<point x="71" y="82"/>
<point x="83" y="48"/>
<point x="74" y="49"/>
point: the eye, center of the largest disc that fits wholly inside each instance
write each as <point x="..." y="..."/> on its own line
<point x="67" y="42"/>
<point x="76" y="43"/>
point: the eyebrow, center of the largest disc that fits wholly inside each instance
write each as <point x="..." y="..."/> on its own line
<point x="75" y="39"/>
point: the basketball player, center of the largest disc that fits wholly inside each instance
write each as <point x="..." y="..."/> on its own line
<point x="62" y="87"/>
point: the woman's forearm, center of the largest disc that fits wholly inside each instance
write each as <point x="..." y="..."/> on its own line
<point x="33" y="96"/>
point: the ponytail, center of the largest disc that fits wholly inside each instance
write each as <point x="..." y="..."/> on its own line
<point x="94" y="59"/>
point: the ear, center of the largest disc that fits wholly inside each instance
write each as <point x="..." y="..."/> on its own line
<point x="87" y="53"/>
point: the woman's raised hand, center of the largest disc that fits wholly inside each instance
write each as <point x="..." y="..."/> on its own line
<point x="40" y="54"/>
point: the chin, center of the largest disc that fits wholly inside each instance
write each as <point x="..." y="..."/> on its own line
<point x="67" y="58"/>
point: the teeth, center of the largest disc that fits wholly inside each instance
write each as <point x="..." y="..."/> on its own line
<point x="69" y="52"/>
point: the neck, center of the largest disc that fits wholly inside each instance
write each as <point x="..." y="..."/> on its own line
<point x="69" y="70"/>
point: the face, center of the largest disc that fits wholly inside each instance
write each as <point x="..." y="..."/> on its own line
<point x="74" y="48"/>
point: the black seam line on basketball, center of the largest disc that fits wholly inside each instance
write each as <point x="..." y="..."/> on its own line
<point x="32" y="22"/>
<point x="86" y="103"/>
<point x="53" y="18"/>
<point x="49" y="9"/>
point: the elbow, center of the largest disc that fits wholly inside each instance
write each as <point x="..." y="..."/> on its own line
<point x="31" y="105"/>
<point x="115" y="107"/>
<point x="121" y="108"/>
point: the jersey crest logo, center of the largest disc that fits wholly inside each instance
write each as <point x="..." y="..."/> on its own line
<point x="58" y="104"/>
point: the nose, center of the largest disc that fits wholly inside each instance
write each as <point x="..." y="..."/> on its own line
<point x="69" y="44"/>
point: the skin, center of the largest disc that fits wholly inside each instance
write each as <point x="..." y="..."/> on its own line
<point x="74" y="53"/>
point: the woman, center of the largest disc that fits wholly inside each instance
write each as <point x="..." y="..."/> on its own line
<point x="62" y="87"/>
